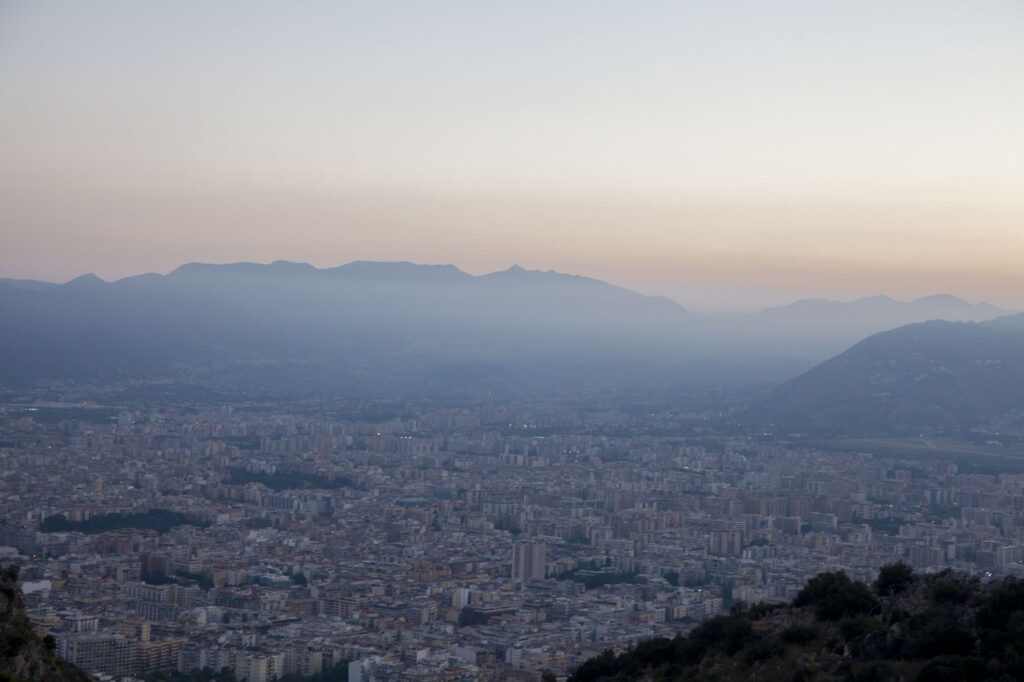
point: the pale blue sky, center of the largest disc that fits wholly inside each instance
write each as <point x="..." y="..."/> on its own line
<point x="831" y="148"/>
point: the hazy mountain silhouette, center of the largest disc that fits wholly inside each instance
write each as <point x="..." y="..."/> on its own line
<point x="813" y="330"/>
<point x="933" y="376"/>
<point x="389" y="316"/>
<point x="405" y="321"/>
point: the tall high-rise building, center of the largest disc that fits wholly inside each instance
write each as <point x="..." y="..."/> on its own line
<point x="726" y="539"/>
<point x="529" y="561"/>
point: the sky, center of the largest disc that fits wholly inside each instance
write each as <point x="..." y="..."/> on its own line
<point x="729" y="154"/>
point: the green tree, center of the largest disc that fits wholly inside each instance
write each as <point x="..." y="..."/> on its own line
<point x="893" y="579"/>
<point x="834" y="596"/>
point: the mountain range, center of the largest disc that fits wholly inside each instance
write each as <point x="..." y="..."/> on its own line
<point x="384" y="317"/>
<point x="377" y="323"/>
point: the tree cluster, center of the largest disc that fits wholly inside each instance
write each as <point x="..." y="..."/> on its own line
<point x="944" y="627"/>
<point x="160" y="520"/>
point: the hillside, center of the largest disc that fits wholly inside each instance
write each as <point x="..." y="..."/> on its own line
<point x="928" y="377"/>
<point x="24" y="656"/>
<point x="817" y="329"/>
<point x="947" y="627"/>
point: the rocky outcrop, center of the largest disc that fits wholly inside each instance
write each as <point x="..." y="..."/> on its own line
<point x="24" y="655"/>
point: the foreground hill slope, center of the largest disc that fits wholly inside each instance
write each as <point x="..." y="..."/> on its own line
<point x="932" y="376"/>
<point x="819" y="329"/>
<point x="24" y="656"/>
<point x="947" y="627"/>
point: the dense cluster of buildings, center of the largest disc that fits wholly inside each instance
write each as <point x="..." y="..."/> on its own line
<point x="471" y="544"/>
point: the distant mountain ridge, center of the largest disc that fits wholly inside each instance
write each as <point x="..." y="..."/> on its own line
<point x="818" y="329"/>
<point x="401" y="270"/>
<point x="409" y="321"/>
<point x="937" y="306"/>
<point x="400" y="319"/>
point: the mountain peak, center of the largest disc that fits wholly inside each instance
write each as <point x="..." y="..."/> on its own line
<point x="291" y="267"/>
<point x="86" y="280"/>
<point x="197" y="268"/>
<point x="519" y="272"/>
<point x="278" y="267"/>
<point x="943" y="299"/>
<point x="396" y="270"/>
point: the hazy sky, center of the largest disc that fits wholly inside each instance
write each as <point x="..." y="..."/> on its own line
<point x="726" y="153"/>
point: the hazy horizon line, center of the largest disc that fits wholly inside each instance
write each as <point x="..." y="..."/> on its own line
<point x="718" y="300"/>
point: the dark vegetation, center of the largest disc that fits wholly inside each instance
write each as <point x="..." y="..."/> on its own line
<point x="471" y="616"/>
<point x="890" y="526"/>
<point x="288" y="480"/>
<point x="834" y="596"/>
<point x="204" y="580"/>
<point x="160" y="520"/>
<point x="927" y="628"/>
<point x="592" y="580"/>
<point x="157" y="578"/>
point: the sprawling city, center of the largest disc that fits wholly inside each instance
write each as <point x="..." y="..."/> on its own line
<point x="576" y="341"/>
<point x="494" y="541"/>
